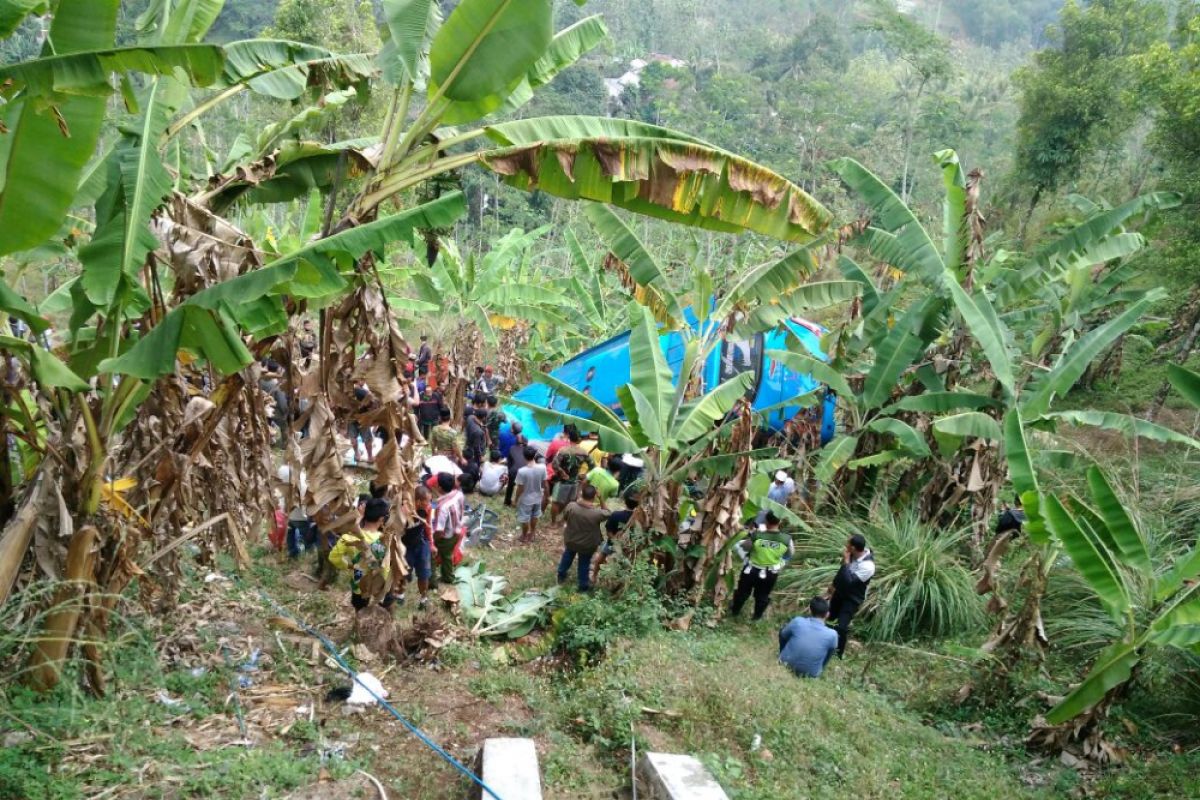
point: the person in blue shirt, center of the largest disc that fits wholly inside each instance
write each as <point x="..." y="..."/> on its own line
<point x="806" y="643"/>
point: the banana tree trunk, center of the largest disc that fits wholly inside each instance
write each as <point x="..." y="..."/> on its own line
<point x="18" y="533"/>
<point x="58" y="633"/>
<point x="719" y="515"/>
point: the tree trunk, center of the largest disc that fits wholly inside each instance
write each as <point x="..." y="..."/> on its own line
<point x="50" y="649"/>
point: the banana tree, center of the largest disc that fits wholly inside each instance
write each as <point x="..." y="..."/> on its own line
<point x="925" y="386"/>
<point x="1108" y="546"/>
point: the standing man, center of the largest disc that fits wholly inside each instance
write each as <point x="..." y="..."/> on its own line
<point x="515" y="455"/>
<point x="581" y="535"/>
<point x="530" y="482"/>
<point x="849" y="588"/>
<point x="477" y="444"/>
<point x="488" y="382"/>
<point x="806" y="643"/>
<point x="764" y="555"/>
<point x="567" y="462"/>
<point x="447" y="523"/>
<point x="418" y="545"/>
<point x="424" y="356"/>
<point x="443" y="439"/>
<point x="781" y="489"/>
<point x="494" y="419"/>
<point x="429" y="410"/>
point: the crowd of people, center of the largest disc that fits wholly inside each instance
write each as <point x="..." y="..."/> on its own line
<point x="591" y="496"/>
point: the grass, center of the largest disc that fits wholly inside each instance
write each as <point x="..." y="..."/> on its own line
<point x="880" y="724"/>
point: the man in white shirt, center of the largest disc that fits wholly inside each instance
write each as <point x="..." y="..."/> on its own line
<point x="849" y="589"/>
<point x="493" y="476"/>
<point x="781" y="489"/>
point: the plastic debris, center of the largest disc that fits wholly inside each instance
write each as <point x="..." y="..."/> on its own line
<point x="360" y="696"/>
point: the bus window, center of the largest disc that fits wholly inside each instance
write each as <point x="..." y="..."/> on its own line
<point x="738" y="356"/>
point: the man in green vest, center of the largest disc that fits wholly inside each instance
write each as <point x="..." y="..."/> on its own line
<point x="765" y="553"/>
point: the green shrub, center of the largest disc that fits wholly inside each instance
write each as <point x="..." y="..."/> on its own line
<point x="589" y="624"/>
<point x="923" y="585"/>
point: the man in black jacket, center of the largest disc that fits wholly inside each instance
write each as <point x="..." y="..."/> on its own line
<point x="849" y="588"/>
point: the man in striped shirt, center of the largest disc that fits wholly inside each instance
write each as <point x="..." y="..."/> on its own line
<point x="447" y="523"/>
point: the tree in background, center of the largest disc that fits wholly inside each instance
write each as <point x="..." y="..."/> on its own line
<point x="1077" y="97"/>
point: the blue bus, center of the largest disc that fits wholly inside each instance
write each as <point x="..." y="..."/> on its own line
<point x="599" y="370"/>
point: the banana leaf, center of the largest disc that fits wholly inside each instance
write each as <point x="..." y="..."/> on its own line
<point x="566" y="48"/>
<point x="1120" y="526"/>
<point x="482" y="52"/>
<point x="14" y="12"/>
<point x="284" y="70"/>
<point x="53" y="78"/>
<point x="986" y="328"/>
<point x="1111" y="420"/>
<point x="1186" y="382"/>
<point x="803" y="363"/>
<point x="669" y="177"/>
<point x="834" y="456"/>
<point x="941" y="402"/>
<point x="410" y="24"/>
<point x="41" y="164"/>
<point x="1090" y="558"/>
<point x="1071" y="366"/>
<point x="909" y="439"/>
<point x="1023" y="475"/>
<point x="1112" y="668"/>
<point x="969" y="423"/>
<point x="895" y="235"/>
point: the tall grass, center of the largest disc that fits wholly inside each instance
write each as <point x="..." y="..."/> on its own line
<point x="923" y="584"/>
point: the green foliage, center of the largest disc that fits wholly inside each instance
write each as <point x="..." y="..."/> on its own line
<point x="923" y="586"/>
<point x="590" y="624"/>
<point x="1076" y="97"/>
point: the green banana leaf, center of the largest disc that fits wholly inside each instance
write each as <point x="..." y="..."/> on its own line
<point x="941" y="402"/>
<point x="53" y="78"/>
<point x="14" y="12"/>
<point x="1124" y="423"/>
<point x="566" y="48"/>
<point x="895" y="235"/>
<point x="17" y="306"/>
<point x="895" y="354"/>
<point x="1120" y="526"/>
<point x="834" y="456"/>
<point x="969" y="423"/>
<point x="1112" y="668"/>
<point x="47" y="370"/>
<point x="1071" y="366"/>
<point x="648" y="369"/>
<point x="955" y="232"/>
<point x="1024" y="476"/>
<point x="643" y="267"/>
<point x="909" y="439"/>
<point x="284" y="70"/>
<point x="410" y="23"/>
<point x="803" y="363"/>
<point x="712" y="407"/>
<point x="1090" y="557"/>
<point x="1082" y="237"/>
<point x="482" y="52"/>
<point x="1186" y="382"/>
<point x="41" y="164"/>
<point x="987" y="329"/>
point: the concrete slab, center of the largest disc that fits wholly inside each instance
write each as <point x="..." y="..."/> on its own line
<point x="510" y="767"/>
<point x="669" y="776"/>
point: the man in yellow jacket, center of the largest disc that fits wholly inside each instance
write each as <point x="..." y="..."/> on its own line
<point x="365" y="555"/>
